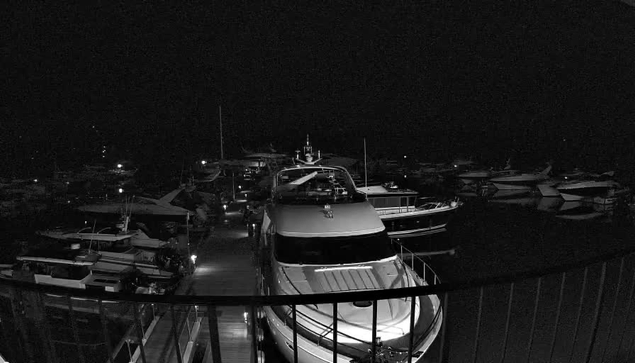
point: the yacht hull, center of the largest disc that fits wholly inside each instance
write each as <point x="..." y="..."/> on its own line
<point x="417" y="223"/>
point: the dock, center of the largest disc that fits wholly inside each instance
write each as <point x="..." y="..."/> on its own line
<point x="224" y="267"/>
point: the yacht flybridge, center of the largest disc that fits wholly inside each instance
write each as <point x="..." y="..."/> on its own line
<point x="320" y="235"/>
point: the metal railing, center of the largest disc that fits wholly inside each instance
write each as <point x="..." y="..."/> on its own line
<point x="580" y="312"/>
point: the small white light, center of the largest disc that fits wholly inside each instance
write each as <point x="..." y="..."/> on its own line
<point x="119" y="166"/>
<point x="203" y="162"/>
<point x="120" y="190"/>
<point x="35" y="180"/>
<point x="239" y="187"/>
<point x="193" y="258"/>
<point x="246" y="316"/>
<point x="225" y="206"/>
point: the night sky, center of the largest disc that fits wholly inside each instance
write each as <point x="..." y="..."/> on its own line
<point x="537" y="80"/>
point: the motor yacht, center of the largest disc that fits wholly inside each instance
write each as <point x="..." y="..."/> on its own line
<point x="405" y="213"/>
<point x="524" y="181"/>
<point x="319" y="234"/>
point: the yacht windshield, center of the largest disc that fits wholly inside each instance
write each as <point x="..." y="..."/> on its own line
<point x="316" y="185"/>
<point x="333" y="250"/>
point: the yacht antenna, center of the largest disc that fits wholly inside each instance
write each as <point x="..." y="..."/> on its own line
<point x="365" y="170"/>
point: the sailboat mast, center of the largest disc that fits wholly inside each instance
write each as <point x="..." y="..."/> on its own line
<point x="365" y="170"/>
<point x="220" y="120"/>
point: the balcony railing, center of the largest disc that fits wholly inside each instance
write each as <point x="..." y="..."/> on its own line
<point x="581" y="312"/>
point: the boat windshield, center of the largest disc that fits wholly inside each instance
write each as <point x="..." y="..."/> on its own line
<point x="316" y="185"/>
<point x="333" y="250"/>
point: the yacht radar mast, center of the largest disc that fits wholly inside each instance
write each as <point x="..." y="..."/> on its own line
<point x="308" y="154"/>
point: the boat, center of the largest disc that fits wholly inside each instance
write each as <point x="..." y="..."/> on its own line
<point x="121" y="248"/>
<point x="141" y="205"/>
<point x="319" y="234"/>
<point x="77" y="268"/>
<point x="524" y="181"/>
<point x="118" y="235"/>
<point x="586" y="189"/>
<point x="405" y="214"/>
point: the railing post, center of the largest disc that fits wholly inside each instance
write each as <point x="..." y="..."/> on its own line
<point x="254" y="330"/>
<point x="139" y="329"/>
<point x="104" y="324"/>
<point x="212" y="322"/>
<point x="71" y="314"/>
<point x="577" y="320"/>
<point x="628" y="312"/>
<point x="533" y="319"/>
<point x="413" y="300"/>
<point x="45" y="333"/>
<point x="596" y="313"/>
<point x="478" y="324"/>
<point x="444" y="325"/>
<point x="295" y="333"/>
<point x="615" y="299"/>
<point x="334" y="332"/>
<point x="558" y="311"/>
<point x="510" y="300"/>
<point x="373" y="343"/>
<point x="175" y="336"/>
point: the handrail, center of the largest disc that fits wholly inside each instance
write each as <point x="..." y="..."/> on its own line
<point x="241" y="300"/>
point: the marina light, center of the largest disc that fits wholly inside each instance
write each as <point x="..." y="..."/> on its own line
<point x="35" y="180"/>
<point x="120" y="190"/>
<point x="193" y="258"/>
<point x="203" y="162"/>
<point x="239" y="187"/>
<point x="119" y="166"/>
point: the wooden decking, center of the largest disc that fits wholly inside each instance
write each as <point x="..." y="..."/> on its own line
<point x="224" y="267"/>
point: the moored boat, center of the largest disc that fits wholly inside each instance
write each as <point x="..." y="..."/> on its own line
<point x="320" y="235"/>
<point x="405" y="214"/>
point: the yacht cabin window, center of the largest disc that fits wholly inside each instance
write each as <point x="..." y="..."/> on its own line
<point x="333" y="250"/>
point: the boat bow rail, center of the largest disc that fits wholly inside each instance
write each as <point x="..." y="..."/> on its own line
<point x="523" y="316"/>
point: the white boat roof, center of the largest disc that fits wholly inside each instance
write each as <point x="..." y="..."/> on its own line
<point x="349" y="219"/>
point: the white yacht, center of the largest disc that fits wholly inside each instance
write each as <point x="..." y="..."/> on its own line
<point x="320" y="235"/>
<point x="525" y="181"/>
<point x="580" y="190"/>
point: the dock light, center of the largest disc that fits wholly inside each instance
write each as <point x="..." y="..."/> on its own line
<point x="193" y="258"/>
<point x="120" y="190"/>
<point x="119" y="166"/>
<point x="35" y="180"/>
<point x="203" y="162"/>
<point x="240" y="187"/>
<point x="224" y="206"/>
